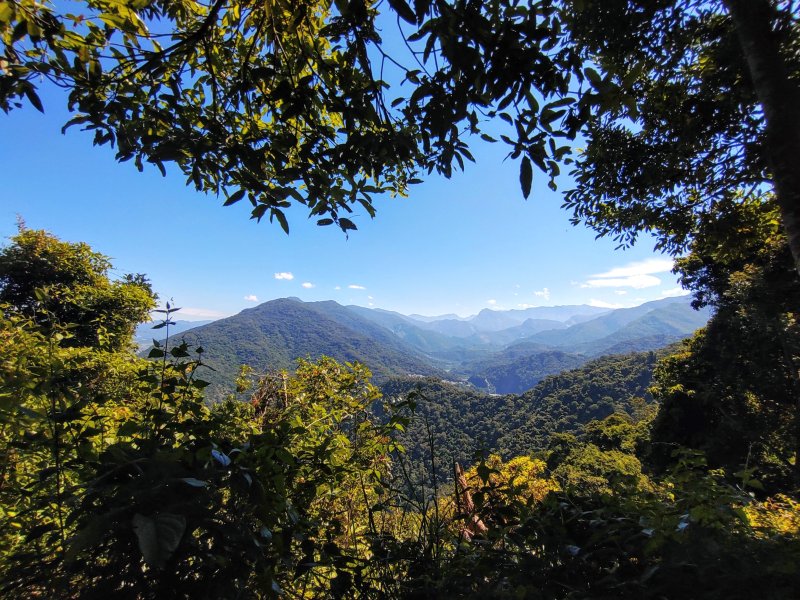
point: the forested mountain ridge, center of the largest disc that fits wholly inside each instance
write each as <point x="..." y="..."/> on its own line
<point x="274" y="334"/>
<point x="462" y="422"/>
<point x="502" y="373"/>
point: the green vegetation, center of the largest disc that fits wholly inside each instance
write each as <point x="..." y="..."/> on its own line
<point x="461" y="424"/>
<point x="732" y="391"/>
<point x="119" y="480"/>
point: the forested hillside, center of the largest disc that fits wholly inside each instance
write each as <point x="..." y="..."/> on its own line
<point x="461" y="423"/>
<point x="275" y="334"/>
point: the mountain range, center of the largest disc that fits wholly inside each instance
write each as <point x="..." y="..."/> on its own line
<point x="494" y="351"/>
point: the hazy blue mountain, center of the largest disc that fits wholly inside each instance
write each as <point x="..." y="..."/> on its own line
<point x="659" y="327"/>
<point x="681" y="319"/>
<point x="516" y="333"/>
<point x="145" y="334"/>
<point x="425" y="319"/>
<point x="426" y="340"/>
<point x="496" y="320"/>
<point x="489" y="321"/>
<point x="447" y="351"/>
<point x="450" y="327"/>
<point x="511" y="373"/>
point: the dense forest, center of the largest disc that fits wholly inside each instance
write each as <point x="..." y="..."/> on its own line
<point x="646" y="475"/>
<point x="119" y="479"/>
<point x="458" y="424"/>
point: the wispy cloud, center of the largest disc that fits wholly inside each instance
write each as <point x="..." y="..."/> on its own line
<point x="251" y="298"/>
<point x="674" y="292"/>
<point x="620" y="292"/>
<point x="526" y="306"/>
<point x="633" y="281"/>
<point x="602" y="304"/>
<point x="543" y="293"/>
<point x="308" y="285"/>
<point x="353" y="286"/>
<point x="491" y="302"/>
<point x="636" y="275"/>
<point x="643" y="267"/>
<point x="337" y="288"/>
<point x="284" y="275"/>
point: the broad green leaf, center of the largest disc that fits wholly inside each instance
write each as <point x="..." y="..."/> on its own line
<point x="158" y="536"/>
<point x="404" y="10"/>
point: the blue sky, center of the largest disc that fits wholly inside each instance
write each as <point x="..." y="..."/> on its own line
<point x="456" y="245"/>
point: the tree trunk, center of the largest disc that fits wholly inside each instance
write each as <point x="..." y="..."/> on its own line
<point x="779" y="96"/>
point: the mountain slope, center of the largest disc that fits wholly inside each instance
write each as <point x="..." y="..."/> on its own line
<point x="657" y="328"/>
<point x="274" y="334"/>
<point x="461" y="422"/>
<point x="671" y="316"/>
<point x="428" y="341"/>
<point x="507" y="373"/>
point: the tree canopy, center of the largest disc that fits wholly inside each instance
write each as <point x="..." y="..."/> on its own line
<point x="57" y="283"/>
<point x="680" y="104"/>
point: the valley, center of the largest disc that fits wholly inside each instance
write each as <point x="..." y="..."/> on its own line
<point x="493" y="352"/>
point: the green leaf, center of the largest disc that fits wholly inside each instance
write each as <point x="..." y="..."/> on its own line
<point x="525" y="176"/>
<point x="278" y="214"/>
<point x="34" y="99"/>
<point x="346" y="224"/>
<point x="198" y="483"/>
<point x="404" y="10"/>
<point x="158" y="536"/>
<point x="233" y="198"/>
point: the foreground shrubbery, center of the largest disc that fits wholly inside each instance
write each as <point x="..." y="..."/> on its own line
<point x="118" y="480"/>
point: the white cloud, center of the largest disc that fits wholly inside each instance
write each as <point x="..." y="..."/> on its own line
<point x="620" y="292"/>
<point x="200" y="313"/>
<point x="353" y="286"/>
<point x="370" y="298"/>
<point x="635" y="275"/>
<point x="251" y="298"/>
<point x="526" y="305"/>
<point x="284" y="275"/>
<point x="644" y="267"/>
<point x="492" y="302"/>
<point x="308" y="285"/>
<point x="633" y="281"/>
<point x="543" y="293"/>
<point x="338" y="287"/>
<point x="602" y="304"/>
<point x="674" y="292"/>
